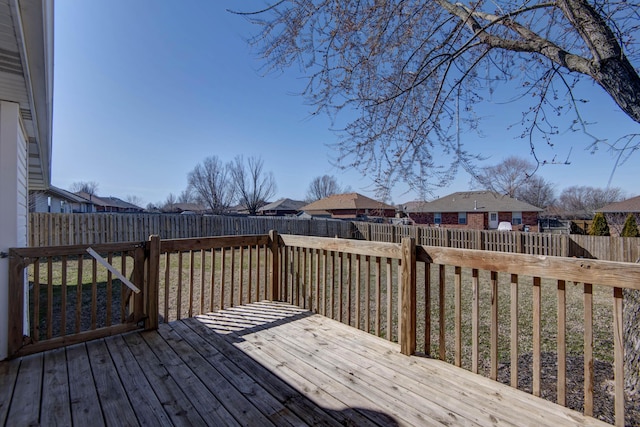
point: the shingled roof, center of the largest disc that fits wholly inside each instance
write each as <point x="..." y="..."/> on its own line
<point x="469" y="201"/>
<point x="631" y="205"/>
<point x="346" y="201"/>
<point x="283" y="205"/>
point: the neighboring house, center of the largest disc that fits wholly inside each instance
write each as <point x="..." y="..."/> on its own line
<point x="616" y="213"/>
<point x="282" y="207"/>
<point x="350" y="206"/>
<point x="110" y="204"/>
<point x="189" y="208"/>
<point x="57" y="200"/>
<point x="482" y="210"/>
<point x="26" y="94"/>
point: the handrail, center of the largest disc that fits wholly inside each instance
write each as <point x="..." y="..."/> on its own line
<point x="607" y="273"/>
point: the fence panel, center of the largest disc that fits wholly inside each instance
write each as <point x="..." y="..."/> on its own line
<point x="53" y="229"/>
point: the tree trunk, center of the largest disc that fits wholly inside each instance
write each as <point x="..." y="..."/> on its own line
<point x="620" y="80"/>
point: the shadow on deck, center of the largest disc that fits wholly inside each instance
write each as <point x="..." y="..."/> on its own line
<point x="259" y="364"/>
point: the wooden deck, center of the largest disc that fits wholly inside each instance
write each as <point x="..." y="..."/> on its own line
<point x="260" y="364"/>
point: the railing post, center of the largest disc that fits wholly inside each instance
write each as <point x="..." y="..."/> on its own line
<point x="153" y="283"/>
<point x="138" y="280"/>
<point x="16" y="303"/>
<point x="408" y="294"/>
<point x="274" y="294"/>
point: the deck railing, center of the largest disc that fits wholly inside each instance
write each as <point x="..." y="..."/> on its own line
<point x="479" y="310"/>
<point x="70" y="296"/>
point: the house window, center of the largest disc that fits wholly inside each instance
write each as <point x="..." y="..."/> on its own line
<point x="462" y="217"/>
<point x="437" y="218"/>
<point x="516" y="218"/>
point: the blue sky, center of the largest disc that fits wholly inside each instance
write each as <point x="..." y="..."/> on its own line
<point x="146" y="89"/>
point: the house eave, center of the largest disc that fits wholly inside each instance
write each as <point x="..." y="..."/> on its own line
<point x="33" y="22"/>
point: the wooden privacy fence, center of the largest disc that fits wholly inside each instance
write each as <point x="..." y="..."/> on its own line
<point x="490" y="240"/>
<point x="478" y="310"/>
<point x="70" y="229"/>
<point x="53" y="229"/>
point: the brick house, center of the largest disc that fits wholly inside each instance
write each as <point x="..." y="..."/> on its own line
<point x="482" y="210"/>
<point x="350" y="206"/>
<point x="616" y="213"/>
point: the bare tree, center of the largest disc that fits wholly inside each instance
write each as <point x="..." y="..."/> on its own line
<point x="537" y="192"/>
<point x="583" y="201"/>
<point x="169" y="204"/>
<point x="211" y="183"/>
<point x="187" y="196"/>
<point x="416" y="72"/>
<point x="324" y="186"/>
<point x="254" y="186"/>
<point x="89" y="187"/>
<point x="507" y="177"/>
<point x="134" y="200"/>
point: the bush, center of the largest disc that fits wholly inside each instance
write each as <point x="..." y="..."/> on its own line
<point x="599" y="227"/>
<point x="630" y="228"/>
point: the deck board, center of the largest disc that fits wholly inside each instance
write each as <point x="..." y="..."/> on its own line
<point x="260" y="364"/>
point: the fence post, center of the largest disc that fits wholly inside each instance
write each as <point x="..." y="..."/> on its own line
<point x="274" y="293"/>
<point x="408" y="295"/>
<point x="153" y="283"/>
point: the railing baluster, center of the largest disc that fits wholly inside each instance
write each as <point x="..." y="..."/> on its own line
<point x="223" y="262"/>
<point x="427" y="308"/>
<point x="494" y="325"/>
<point x="179" y="290"/>
<point x="349" y="284"/>
<point x="202" y="274"/>
<point x="618" y="355"/>
<point x="367" y="296"/>
<point x="537" y="299"/>
<point x="241" y="277"/>
<point x="191" y="281"/>
<point x="212" y="280"/>
<point x="63" y="296"/>
<point x="94" y="293"/>
<point x="378" y="294"/>
<point x="442" y="333"/>
<point x="167" y="286"/>
<point x="250" y="276"/>
<point x="317" y="280"/>
<point x="36" y="300"/>
<point x="232" y="279"/>
<point x="333" y="285"/>
<point x="562" y="343"/>
<point x="109" y="290"/>
<point x="340" y="284"/>
<point x="458" y="316"/>
<point x="475" y="320"/>
<point x="324" y="282"/>
<point x="357" y="307"/>
<point x="50" y="298"/>
<point x="514" y="331"/>
<point x="389" y="301"/>
<point x="588" y="349"/>
<point x="123" y="289"/>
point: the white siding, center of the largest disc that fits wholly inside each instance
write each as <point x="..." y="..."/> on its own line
<point x="13" y="209"/>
